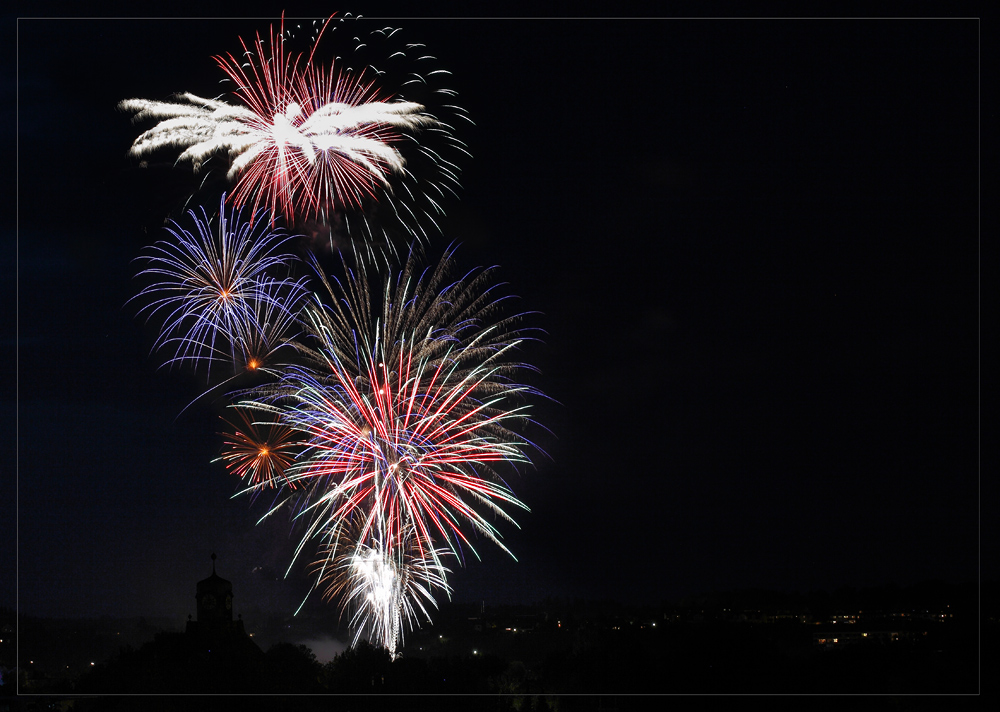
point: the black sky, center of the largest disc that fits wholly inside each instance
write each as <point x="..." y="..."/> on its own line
<point x="754" y="245"/>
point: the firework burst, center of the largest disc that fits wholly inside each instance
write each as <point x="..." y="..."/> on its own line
<point x="260" y="452"/>
<point x="213" y="289"/>
<point x="256" y="342"/>
<point x="318" y="144"/>
<point x="406" y="411"/>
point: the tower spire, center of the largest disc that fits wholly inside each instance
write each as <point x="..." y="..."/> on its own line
<point x="213" y="563"/>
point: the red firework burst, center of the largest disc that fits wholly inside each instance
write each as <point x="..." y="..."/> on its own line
<point x="260" y="452"/>
<point x="317" y="140"/>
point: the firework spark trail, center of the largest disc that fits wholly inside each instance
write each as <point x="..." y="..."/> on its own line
<point x="405" y="408"/>
<point x="214" y="291"/>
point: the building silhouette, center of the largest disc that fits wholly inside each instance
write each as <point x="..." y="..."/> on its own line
<point x="214" y="636"/>
<point x="214" y="654"/>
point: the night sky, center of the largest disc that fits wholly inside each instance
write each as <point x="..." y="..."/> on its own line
<point x="753" y="246"/>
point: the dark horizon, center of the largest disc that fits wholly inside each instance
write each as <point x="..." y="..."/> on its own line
<point x="925" y="639"/>
<point x="888" y="596"/>
<point x="753" y="246"/>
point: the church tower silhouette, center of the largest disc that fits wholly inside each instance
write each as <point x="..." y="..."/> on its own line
<point x="214" y="602"/>
<point x="214" y="599"/>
